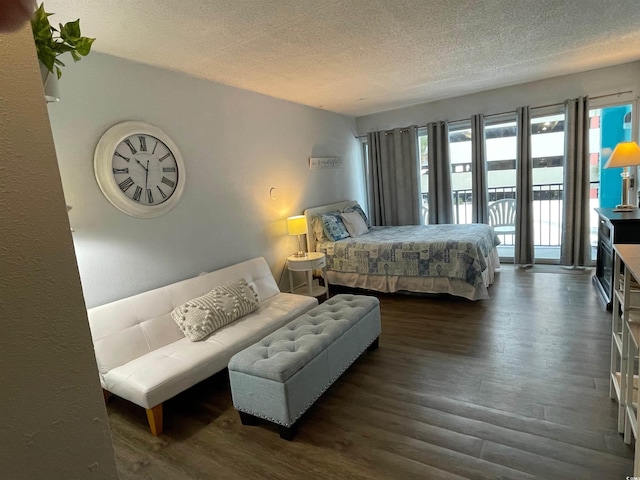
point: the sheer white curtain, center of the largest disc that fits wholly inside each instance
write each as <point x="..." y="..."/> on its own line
<point x="479" y="191"/>
<point x="575" y="246"/>
<point x="394" y="186"/>
<point x="440" y="201"/>
<point x="524" y="244"/>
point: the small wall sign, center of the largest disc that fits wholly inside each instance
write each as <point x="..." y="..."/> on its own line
<point x="324" y="162"/>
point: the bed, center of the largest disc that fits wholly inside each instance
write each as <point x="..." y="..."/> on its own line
<point x="460" y="260"/>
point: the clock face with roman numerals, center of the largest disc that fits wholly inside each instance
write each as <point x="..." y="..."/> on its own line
<point x="145" y="169"/>
<point x="139" y="169"/>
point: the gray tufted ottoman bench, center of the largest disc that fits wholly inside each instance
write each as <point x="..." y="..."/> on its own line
<point x="279" y="378"/>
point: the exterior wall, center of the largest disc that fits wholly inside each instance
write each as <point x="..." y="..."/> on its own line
<point x="237" y="145"/>
<point x="53" y="414"/>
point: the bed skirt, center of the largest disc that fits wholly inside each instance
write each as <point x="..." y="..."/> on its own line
<point x="394" y="283"/>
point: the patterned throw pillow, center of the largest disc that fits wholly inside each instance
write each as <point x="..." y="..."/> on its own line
<point x="333" y="227"/>
<point x="358" y="208"/>
<point x="200" y="317"/>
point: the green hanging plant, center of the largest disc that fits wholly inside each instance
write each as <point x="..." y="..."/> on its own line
<point x="52" y="42"/>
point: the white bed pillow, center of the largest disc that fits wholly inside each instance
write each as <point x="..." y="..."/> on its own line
<point x="354" y="223"/>
<point x="358" y="208"/>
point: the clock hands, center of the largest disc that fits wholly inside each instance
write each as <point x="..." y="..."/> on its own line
<point x="146" y="168"/>
<point x="164" y="180"/>
<point x="146" y="178"/>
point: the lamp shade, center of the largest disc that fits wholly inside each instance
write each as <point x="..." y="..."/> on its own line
<point x="297" y="225"/>
<point x="626" y="154"/>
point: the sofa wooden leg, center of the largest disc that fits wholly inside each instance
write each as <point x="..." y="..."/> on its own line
<point x="106" y="395"/>
<point x="373" y="345"/>
<point x="154" y="415"/>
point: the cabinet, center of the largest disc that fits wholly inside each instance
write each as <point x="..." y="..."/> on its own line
<point x="613" y="227"/>
<point x="625" y="340"/>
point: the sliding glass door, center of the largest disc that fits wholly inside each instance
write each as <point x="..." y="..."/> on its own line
<point x="423" y="145"/>
<point x="547" y="152"/>
<point x="500" y="149"/>
<point x="460" y="158"/>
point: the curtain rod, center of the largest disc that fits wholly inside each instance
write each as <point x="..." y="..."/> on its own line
<point x="617" y="94"/>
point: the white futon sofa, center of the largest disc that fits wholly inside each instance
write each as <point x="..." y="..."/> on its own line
<point x="144" y="357"/>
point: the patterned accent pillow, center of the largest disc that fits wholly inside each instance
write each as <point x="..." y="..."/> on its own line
<point x="358" y="208"/>
<point x="200" y="317"/>
<point x="333" y="227"/>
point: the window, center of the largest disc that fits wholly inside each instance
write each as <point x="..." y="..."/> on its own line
<point x="423" y="144"/>
<point x="460" y="161"/>
<point x="367" y="173"/>
<point x="547" y="152"/>
<point x="500" y="151"/>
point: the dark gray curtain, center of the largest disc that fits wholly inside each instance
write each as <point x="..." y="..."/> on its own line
<point x="524" y="247"/>
<point x="440" y="201"/>
<point x="394" y="181"/>
<point x="575" y="246"/>
<point x="480" y="200"/>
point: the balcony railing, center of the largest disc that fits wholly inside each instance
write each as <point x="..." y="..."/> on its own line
<point x="547" y="210"/>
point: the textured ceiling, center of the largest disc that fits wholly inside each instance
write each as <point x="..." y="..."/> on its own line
<point x="363" y="56"/>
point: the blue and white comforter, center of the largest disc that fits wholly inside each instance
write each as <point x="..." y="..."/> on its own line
<point x="447" y="250"/>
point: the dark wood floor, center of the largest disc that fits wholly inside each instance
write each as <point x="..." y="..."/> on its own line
<point x="515" y="387"/>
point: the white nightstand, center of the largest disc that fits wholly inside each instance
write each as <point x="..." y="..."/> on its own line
<point x="312" y="261"/>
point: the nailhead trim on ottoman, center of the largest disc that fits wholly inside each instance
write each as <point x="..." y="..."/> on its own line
<point x="280" y="377"/>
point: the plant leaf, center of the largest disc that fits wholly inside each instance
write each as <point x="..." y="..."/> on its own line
<point x="41" y="27"/>
<point x="83" y="45"/>
<point x="58" y="72"/>
<point x="70" y="32"/>
<point x="61" y="47"/>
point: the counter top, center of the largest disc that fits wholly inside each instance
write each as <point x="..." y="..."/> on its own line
<point x="629" y="255"/>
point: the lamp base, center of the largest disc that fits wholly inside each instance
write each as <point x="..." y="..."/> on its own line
<point x="300" y="253"/>
<point x="624" y="208"/>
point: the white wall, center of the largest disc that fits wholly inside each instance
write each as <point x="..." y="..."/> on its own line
<point x="236" y="146"/>
<point x="553" y="90"/>
<point x="54" y="422"/>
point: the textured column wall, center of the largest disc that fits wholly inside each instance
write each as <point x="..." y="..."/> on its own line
<point x="54" y="422"/>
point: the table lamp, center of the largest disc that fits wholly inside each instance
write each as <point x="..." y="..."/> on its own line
<point x="626" y="154"/>
<point x="297" y="225"/>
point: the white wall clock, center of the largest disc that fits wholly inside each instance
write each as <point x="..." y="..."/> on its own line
<point x="139" y="169"/>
